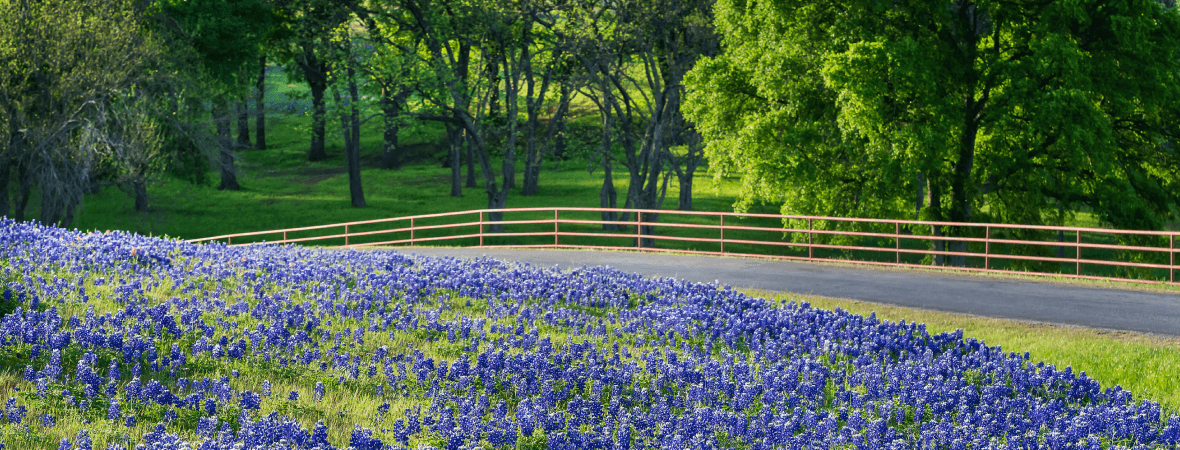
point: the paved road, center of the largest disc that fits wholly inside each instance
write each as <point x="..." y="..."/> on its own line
<point x="1115" y="309"/>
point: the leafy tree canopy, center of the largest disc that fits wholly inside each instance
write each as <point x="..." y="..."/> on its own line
<point x="1002" y="110"/>
<point x="226" y="34"/>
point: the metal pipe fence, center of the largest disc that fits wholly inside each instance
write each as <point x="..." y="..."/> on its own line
<point x="473" y="225"/>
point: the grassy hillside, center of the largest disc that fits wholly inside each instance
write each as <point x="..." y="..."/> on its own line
<point x="282" y="189"/>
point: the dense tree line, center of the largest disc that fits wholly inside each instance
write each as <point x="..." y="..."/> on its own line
<point x="1019" y="112"/>
<point x="499" y="75"/>
<point x="982" y="111"/>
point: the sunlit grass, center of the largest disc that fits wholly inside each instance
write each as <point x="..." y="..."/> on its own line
<point x="1144" y="364"/>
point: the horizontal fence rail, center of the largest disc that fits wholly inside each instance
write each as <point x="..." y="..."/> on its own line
<point x="475" y="228"/>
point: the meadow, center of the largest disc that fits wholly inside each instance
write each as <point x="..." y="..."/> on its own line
<point x="119" y="341"/>
<point x="281" y="189"/>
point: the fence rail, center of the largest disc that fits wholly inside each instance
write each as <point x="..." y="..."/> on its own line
<point x="645" y="239"/>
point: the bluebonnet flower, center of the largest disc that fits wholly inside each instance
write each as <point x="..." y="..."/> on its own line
<point x="53" y="369"/>
<point x="83" y="442"/>
<point x="664" y="362"/>
<point x="13" y="412"/>
<point x="381" y="410"/>
<point x="293" y="396"/>
<point x="251" y="400"/>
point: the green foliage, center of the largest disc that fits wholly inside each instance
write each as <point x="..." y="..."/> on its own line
<point x="850" y="108"/>
<point x="226" y="36"/>
<point x="64" y="68"/>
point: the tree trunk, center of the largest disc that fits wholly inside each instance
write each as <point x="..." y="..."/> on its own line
<point x="685" y="203"/>
<point x="532" y="162"/>
<point x="318" y="123"/>
<point x="493" y="70"/>
<point x="921" y="196"/>
<point x="243" y="124"/>
<point x="471" y="162"/>
<point x="534" y="100"/>
<point x="1061" y="233"/>
<point x="229" y="178"/>
<point x="456" y="162"/>
<point x="511" y="110"/>
<point x="607" y="197"/>
<point x="317" y="80"/>
<point x="391" y="109"/>
<point x="141" y="197"/>
<point x="354" y="150"/>
<point x="936" y="207"/>
<point x="49" y="215"/>
<point x="555" y="135"/>
<point x="497" y="200"/>
<point x="260" y="106"/>
<point x="960" y="185"/>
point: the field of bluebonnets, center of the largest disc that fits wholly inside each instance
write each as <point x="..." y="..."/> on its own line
<point x="119" y="341"/>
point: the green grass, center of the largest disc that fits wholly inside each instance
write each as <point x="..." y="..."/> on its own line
<point x="281" y="189"/>
<point x="1142" y="363"/>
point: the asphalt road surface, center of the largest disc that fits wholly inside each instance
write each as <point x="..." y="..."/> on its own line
<point x="1095" y="307"/>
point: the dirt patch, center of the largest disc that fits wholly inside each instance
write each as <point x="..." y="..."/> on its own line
<point x="411" y="154"/>
<point x="430" y="180"/>
<point x="314" y="175"/>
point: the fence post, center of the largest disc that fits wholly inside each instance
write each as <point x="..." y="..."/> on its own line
<point x="987" y="249"/>
<point x="346" y="235"/>
<point x="481" y="228"/>
<point x="809" y="248"/>
<point x="897" y="242"/>
<point x="229" y="240"/>
<point x="555" y="218"/>
<point x="411" y="231"/>
<point x="1172" y="257"/>
<point x="638" y="229"/>
<point x="722" y="232"/>
<point x="1078" y="254"/>
<point x="284" y="236"/>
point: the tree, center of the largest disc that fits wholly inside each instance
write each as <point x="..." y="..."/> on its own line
<point x="663" y="39"/>
<point x="850" y="108"/>
<point x="446" y="34"/>
<point x="554" y="62"/>
<point x="226" y="35"/>
<point x="350" y="122"/>
<point x="61" y="64"/>
<point x="389" y="71"/>
<point x="133" y="137"/>
<point x="260" y="105"/>
<point x="309" y="25"/>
